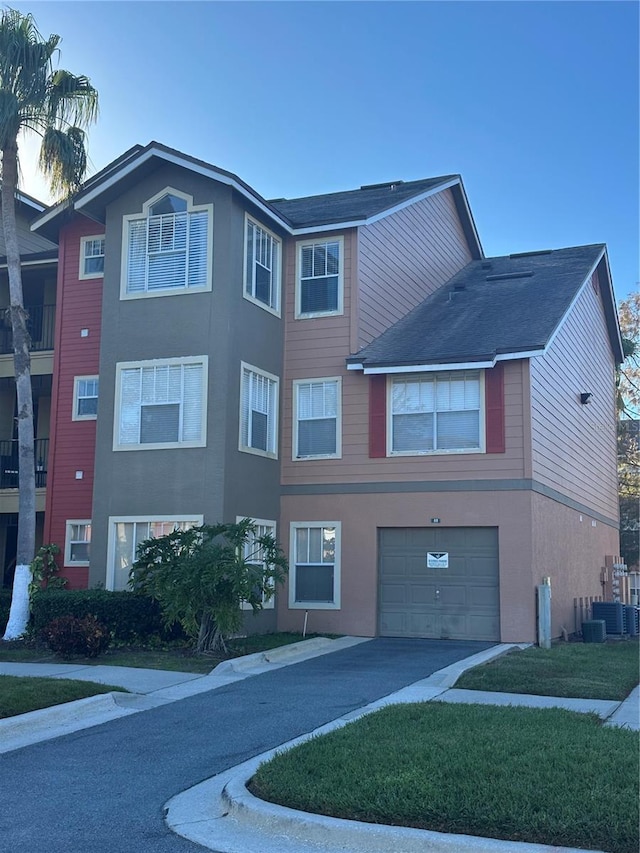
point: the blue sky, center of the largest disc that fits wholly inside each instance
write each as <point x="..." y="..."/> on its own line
<point x="534" y="103"/>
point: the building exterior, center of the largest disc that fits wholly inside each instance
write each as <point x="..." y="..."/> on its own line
<point x="429" y="433"/>
<point x="39" y="270"/>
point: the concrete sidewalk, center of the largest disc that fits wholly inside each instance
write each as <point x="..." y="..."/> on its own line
<point x="250" y="824"/>
<point x="148" y="688"/>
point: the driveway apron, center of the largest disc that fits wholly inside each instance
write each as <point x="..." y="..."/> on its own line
<point x="103" y="789"/>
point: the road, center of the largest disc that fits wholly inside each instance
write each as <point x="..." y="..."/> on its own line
<point x="102" y="790"/>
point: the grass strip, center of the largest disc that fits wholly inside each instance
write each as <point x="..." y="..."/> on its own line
<point x="20" y="694"/>
<point x="541" y="776"/>
<point x="173" y="658"/>
<point x="582" y="670"/>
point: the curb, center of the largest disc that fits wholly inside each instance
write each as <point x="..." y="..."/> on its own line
<point x="222" y="815"/>
<point x="302" y="650"/>
<point x="36" y="726"/>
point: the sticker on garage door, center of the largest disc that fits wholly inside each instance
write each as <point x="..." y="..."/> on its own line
<point x="437" y="560"/>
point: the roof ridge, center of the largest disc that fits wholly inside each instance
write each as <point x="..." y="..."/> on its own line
<point x="367" y="188"/>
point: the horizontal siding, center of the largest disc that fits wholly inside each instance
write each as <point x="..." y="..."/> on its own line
<point x="355" y="466"/>
<point x="574" y="445"/>
<point x="404" y="257"/>
<point x="73" y="442"/>
<point x="28" y="241"/>
<point x="314" y="347"/>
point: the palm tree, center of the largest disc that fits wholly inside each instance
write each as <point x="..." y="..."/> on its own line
<point x="55" y="104"/>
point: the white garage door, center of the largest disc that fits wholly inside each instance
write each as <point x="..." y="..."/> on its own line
<point x="452" y="596"/>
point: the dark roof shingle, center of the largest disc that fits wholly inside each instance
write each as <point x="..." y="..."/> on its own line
<point x="493" y="306"/>
<point x="353" y="205"/>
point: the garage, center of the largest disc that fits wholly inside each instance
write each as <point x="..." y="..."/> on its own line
<point x="439" y="582"/>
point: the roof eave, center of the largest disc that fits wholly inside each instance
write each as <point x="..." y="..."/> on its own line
<point x="479" y="362"/>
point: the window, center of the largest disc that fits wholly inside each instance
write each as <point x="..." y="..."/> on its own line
<point x="319" y="289"/>
<point x="258" y="412"/>
<point x="252" y="553"/>
<point x="314" y="581"/>
<point x="262" y="267"/>
<point x="167" y="249"/>
<point x="126" y="534"/>
<point x="161" y="404"/>
<point x="436" y="413"/>
<point x="91" y="257"/>
<point x="77" y="543"/>
<point x="317" y="419"/>
<point x="85" y="398"/>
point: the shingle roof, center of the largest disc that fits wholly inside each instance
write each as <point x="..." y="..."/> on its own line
<point x="353" y="205"/>
<point x="493" y="306"/>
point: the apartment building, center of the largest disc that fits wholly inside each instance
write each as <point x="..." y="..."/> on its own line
<point x="427" y="432"/>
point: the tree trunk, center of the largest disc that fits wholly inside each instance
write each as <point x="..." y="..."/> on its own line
<point x="19" y="614"/>
<point x="210" y="638"/>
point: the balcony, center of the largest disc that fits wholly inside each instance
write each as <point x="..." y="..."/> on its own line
<point x="9" y="463"/>
<point x="41" y="324"/>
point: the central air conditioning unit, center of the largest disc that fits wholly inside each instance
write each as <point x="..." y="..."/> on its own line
<point x="632" y="614"/>
<point x="613" y="613"/>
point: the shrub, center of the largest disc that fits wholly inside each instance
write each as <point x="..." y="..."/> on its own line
<point x="129" y="616"/>
<point x="69" y="636"/>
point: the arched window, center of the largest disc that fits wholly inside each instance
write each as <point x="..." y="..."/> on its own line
<point x="168" y="249"/>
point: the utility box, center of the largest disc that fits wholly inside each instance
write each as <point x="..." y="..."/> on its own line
<point x="594" y="631"/>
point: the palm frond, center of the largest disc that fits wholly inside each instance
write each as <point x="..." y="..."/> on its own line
<point x="63" y="158"/>
<point x="72" y="100"/>
<point x="25" y="57"/>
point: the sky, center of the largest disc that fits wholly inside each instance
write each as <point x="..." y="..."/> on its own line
<point x="535" y="104"/>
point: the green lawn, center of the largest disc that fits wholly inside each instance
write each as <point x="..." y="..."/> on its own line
<point x="19" y="695"/>
<point x="545" y="776"/>
<point x="175" y="658"/>
<point x="589" y="670"/>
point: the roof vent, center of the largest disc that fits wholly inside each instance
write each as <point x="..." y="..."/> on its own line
<point x="459" y="286"/>
<point x="531" y="254"/>
<point x="486" y="265"/>
<point x="505" y="276"/>
<point x="387" y="185"/>
<point x="275" y="200"/>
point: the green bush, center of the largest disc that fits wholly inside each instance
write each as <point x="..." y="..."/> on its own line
<point x="69" y="636"/>
<point x="128" y="616"/>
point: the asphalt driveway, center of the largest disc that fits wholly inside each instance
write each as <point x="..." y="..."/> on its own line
<point x="103" y="789"/>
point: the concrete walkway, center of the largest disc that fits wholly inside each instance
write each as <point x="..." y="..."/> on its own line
<point x="249" y="824"/>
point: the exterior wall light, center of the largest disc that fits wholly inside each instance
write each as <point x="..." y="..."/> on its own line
<point x="585" y="397"/>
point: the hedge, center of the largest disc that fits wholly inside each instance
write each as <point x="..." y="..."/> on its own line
<point x="129" y="616"/>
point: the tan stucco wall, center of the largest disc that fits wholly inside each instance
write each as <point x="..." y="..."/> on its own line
<point x="538" y="537"/>
<point x="569" y="547"/>
<point x="361" y="515"/>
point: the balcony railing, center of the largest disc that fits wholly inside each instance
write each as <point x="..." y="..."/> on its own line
<point x="9" y="463"/>
<point x="40" y="323"/>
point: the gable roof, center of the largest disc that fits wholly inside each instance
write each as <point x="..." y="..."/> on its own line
<point x="294" y="216"/>
<point x="359" y="204"/>
<point x="493" y="309"/>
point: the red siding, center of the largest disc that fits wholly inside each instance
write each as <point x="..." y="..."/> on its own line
<point x="494" y="406"/>
<point x="72" y="445"/>
<point x="377" y="416"/>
